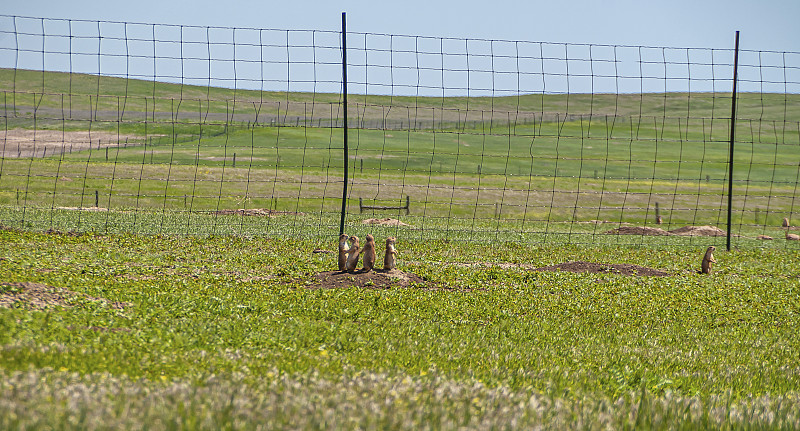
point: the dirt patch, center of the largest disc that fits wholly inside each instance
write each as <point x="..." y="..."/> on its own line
<point x="698" y="231"/>
<point x="375" y="279"/>
<point x="36" y="296"/>
<point x="385" y="222"/>
<point x="605" y="268"/>
<point x="654" y="231"/>
<point x="89" y="209"/>
<point x="638" y="230"/>
<point x="41" y="143"/>
<point x="262" y="212"/>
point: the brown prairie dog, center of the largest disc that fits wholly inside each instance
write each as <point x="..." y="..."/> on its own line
<point x="352" y="254"/>
<point x="390" y="258"/>
<point x="708" y="259"/>
<point x="369" y="254"/>
<point x="343" y="248"/>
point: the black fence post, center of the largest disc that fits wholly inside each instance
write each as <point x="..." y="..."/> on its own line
<point x="733" y="135"/>
<point x="344" y="128"/>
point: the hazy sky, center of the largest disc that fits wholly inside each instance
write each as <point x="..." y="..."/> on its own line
<point x="769" y="26"/>
<point x="764" y="24"/>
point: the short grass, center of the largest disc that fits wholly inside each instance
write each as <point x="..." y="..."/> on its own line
<point x="225" y="332"/>
<point x="320" y="225"/>
<point x="532" y="158"/>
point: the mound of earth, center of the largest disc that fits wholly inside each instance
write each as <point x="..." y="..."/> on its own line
<point x="375" y="279"/>
<point x="638" y="230"/>
<point x="38" y="296"/>
<point x="654" y="231"/>
<point x="604" y="268"/>
<point x="698" y="231"/>
<point x="254" y="212"/>
<point x="385" y="222"/>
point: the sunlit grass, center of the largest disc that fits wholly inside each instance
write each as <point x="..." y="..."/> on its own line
<point x="227" y="330"/>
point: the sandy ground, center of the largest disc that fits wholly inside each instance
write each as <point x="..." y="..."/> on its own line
<point x="41" y="143"/>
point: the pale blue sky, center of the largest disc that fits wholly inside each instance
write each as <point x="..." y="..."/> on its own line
<point x="766" y="27"/>
<point x="765" y="24"/>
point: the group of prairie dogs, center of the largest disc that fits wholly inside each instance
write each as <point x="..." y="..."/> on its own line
<point x="349" y="254"/>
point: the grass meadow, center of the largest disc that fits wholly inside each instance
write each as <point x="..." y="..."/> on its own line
<point x="165" y="314"/>
<point x="527" y="160"/>
<point x="230" y="332"/>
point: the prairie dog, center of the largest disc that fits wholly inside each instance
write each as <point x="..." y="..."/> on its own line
<point x="390" y="258"/>
<point x="343" y="248"/>
<point x="352" y="254"/>
<point x="369" y="254"/>
<point x="708" y="259"/>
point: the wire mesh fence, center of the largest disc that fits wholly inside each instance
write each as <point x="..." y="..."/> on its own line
<point x="150" y="128"/>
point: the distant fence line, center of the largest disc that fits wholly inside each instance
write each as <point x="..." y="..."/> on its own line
<point x="152" y="128"/>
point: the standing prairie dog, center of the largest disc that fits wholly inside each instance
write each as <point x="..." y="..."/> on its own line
<point x="343" y="248"/>
<point x="352" y="254"/>
<point x="369" y="254"/>
<point x="390" y="258"/>
<point x="708" y="259"/>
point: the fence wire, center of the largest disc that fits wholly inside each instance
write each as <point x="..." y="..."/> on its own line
<point x="151" y="128"/>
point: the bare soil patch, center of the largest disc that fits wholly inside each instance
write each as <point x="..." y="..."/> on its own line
<point x="654" y="231"/>
<point x="375" y="279"/>
<point x="385" y="222"/>
<point x="41" y="143"/>
<point x="699" y="231"/>
<point x="38" y="296"/>
<point x="578" y="266"/>
<point x="605" y="268"/>
<point x="89" y="209"/>
<point x="638" y="230"/>
<point x="262" y="212"/>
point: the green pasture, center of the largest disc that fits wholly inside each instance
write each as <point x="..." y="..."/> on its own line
<point x="229" y="332"/>
<point x="180" y="316"/>
<point x="28" y="89"/>
<point x="534" y="158"/>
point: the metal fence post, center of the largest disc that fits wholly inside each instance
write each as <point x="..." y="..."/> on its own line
<point x="344" y="129"/>
<point x="733" y="135"/>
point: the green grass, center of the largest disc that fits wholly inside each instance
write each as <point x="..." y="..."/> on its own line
<point x="534" y="158"/>
<point x="53" y="90"/>
<point x="223" y="332"/>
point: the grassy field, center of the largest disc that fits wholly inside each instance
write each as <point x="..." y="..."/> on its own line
<point x="156" y="311"/>
<point x="233" y="332"/>
<point x="526" y="159"/>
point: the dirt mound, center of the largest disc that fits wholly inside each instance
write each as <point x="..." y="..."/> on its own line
<point x="38" y="296"/>
<point x="604" y="268"/>
<point x="698" y="231"/>
<point x="385" y="222"/>
<point x="638" y="230"/>
<point x="375" y="279"/>
<point x="654" y="231"/>
<point x="263" y="212"/>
